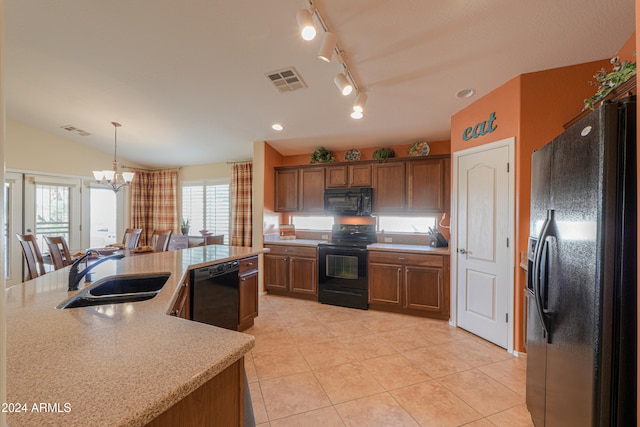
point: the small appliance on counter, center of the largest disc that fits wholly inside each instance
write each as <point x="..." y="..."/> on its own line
<point x="436" y="239"/>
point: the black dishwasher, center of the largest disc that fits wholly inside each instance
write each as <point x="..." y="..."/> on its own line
<point x="215" y="294"/>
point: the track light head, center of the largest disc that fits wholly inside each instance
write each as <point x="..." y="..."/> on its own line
<point x="357" y="115"/>
<point x="328" y="46"/>
<point x="343" y="84"/>
<point x="305" y="23"/>
<point x="361" y="100"/>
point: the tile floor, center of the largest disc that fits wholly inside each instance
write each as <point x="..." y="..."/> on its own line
<point x="321" y="365"/>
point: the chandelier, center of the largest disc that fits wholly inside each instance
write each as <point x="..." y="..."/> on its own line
<point x="113" y="178"/>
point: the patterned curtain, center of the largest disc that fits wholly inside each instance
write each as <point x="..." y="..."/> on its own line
<point x="242" y="205"/>
<point x="154" y="202"/>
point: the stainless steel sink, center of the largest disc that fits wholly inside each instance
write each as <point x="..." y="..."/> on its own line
<point x="118" y="289"/>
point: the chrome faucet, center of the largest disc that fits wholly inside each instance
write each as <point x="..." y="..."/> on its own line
<point x="75" y="276"/>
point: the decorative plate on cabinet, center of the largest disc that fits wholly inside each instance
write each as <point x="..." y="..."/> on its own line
<point x="419" y="149"/>
<point x="352" y="155"/>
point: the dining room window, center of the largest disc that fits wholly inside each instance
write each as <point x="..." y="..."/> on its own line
<point x="207" y="206"/>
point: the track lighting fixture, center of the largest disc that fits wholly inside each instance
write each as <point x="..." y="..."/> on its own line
<point x="305" y="23"/>
<point x="328" y="46"/>
<point x="361" y="100"/>
<point x="357" y="115"/>
<point x="343" y="84"/>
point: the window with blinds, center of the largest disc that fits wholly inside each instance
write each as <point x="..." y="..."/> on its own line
<point x="207" y="207"/>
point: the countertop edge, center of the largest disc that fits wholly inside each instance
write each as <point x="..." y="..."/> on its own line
<point x="418" y="249"/>
<point x="158" y="407"/>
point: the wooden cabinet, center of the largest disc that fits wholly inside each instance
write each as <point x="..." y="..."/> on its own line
<point x="311" y="197"/>
<point x="286" y="191"/>
<point x="415" y="185"/>
<point x="409" y="283"/>
<point x="343" y="176"/>
<point x="426" y="185"/>
<point x="291" y="270"/>
<point x="248" y="292"/>
<point x="299" y="189"/>
<point x="181" y="305"/>
<point x="389" y="194"/>
<point x="218" y="402"/>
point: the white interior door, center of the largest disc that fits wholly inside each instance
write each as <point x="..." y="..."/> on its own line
<point x="484" y="212"/>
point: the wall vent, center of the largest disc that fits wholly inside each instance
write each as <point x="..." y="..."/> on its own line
<point x="286" y="80"/>
<point x="71" y="128"/>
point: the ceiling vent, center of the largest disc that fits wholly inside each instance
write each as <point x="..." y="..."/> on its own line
<point x="286" y="80"/>
<point x="75" y="129"/>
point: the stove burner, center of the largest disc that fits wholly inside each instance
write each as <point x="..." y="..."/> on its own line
<point x="353" y="234"/>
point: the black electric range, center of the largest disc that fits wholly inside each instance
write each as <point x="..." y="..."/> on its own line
<point x="342" y="266"/>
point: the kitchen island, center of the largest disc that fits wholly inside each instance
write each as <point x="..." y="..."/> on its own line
<point x="118" y="364"/>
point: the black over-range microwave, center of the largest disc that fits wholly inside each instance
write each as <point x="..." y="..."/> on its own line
<point x="348" y="201"/>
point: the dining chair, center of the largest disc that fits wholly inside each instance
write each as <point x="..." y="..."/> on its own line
<point x="131" y="237"/>
<point x="160" y="240"/>
<point x="59" y="251"/>
<point x="32" y="256"/>
<point x="213" y="240"/>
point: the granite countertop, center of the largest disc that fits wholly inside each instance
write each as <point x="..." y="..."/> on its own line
<point x="119" y="364"/>
<point x="394" y="247"/>
<point x="298" y="242"/>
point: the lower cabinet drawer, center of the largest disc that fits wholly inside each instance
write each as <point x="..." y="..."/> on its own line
<point x="406" y="258"/>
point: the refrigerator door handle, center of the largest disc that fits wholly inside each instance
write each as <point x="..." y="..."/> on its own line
<point x="540" y="281"/>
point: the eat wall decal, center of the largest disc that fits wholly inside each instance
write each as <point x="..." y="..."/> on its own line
<point x="481" y="128"/>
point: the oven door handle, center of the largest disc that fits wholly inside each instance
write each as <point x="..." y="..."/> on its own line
<point x="332" y="249"/>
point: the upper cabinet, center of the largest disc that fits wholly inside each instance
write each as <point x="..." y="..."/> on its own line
<point x="299" y="189"/>
<point x="286" y="191"/>
<point x="311" y="198"/>
<point x="389" y="190"/>
<point x="414" y="185"/>
<point x="427" y="185"/>
<point x="343" y="176"/>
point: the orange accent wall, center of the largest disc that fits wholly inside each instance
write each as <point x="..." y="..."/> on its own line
<point x="271" y="159"/>
<point x="532" y="108"/>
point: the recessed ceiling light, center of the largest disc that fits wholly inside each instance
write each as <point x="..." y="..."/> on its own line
<point x="465" y="93"/>
<point x="277" y="126"/>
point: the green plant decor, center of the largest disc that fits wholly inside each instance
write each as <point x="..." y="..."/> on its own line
<point x="383" y="153"/>
<point x="185" y="223"/>
<point x="322" y="155"/>
<point x="608" y="81"/>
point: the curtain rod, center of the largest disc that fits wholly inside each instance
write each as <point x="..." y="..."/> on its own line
<point x="235" y="162"/>
<point x="149" y="170"/>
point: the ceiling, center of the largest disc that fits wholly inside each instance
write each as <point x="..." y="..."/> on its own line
<point x="187" y="79"/>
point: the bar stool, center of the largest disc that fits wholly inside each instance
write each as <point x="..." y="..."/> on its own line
<point x="160" y="240"/>
<point x="131" y="237"/>
<point x="32" y="256"/>
<point x="59" y="251"/>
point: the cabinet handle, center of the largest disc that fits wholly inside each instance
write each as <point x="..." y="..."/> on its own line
<point x="402" y="259"/>
<point x="249" y="263"/>
<point x="243" y="279"/>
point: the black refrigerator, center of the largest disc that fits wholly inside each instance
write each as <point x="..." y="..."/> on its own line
<point x="581" y="325"/>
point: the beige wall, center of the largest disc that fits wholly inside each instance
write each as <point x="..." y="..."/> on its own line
<point x="31" y="149"/>
<point x="202" y="172"/>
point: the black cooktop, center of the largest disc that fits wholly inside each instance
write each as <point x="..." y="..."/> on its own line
<point x="353" y="234"/>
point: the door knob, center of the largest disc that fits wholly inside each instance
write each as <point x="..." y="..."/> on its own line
<point x="462" y="251"/>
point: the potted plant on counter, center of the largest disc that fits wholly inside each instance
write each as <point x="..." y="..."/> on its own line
<point x="184" y="225"/>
